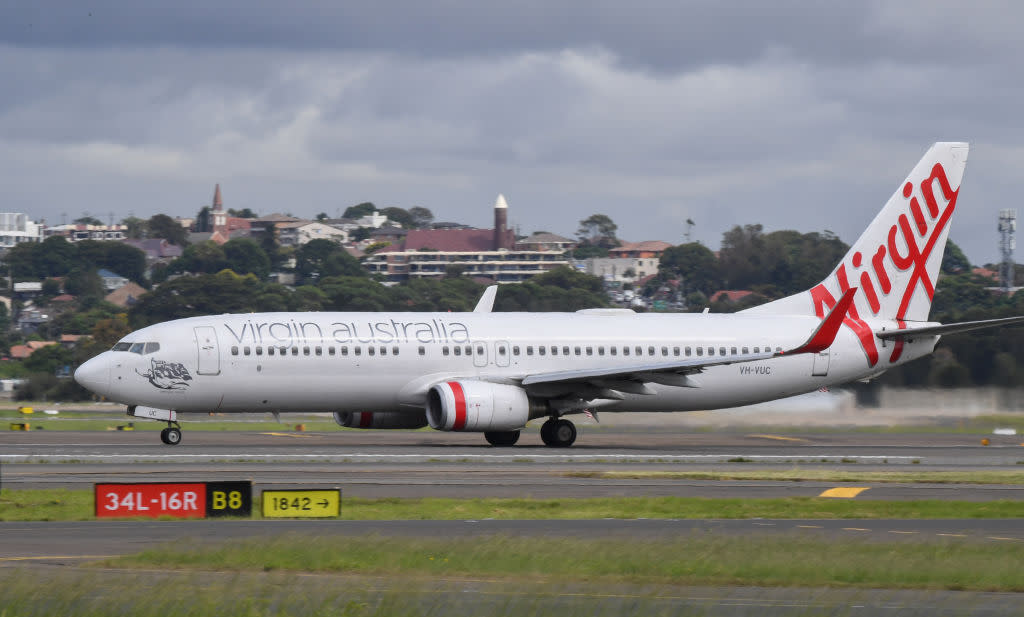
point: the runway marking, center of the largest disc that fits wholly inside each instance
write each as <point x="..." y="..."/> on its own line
<point x="855" y="529"/>
<point x="903" y="532"/>
<point x="290" y="435"/>
<point x="781" y="438"/>
<point x="811" y="526"/>
<point x="844" y="492"/>
<point x="44" y="557"/>
<point x="952" y="535"/>
<point x="1002" y="538"/>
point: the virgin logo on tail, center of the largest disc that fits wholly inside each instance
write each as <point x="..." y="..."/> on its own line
<point x="907" y="247"/>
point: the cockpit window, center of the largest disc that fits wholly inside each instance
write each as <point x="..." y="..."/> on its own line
<point x="152" y="347"/>
<point x="122" y="347"/>
<point x="137" y="348"/>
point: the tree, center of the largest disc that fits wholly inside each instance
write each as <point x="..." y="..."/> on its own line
<point x="206" y="257"/>
<point x="136" y="227"/>
<point x="322" y="216"/>
<point x="84" y="282"/>
<point x="360" y="233"/>
<point x="54" y="256"/>
<point x="244" y="213"/>
<point x="88" y="220"/>
<point x="695" y="264"/>
<point x="360" y="210"/>
<point x="163" y="226"/>
<point x="399" y="215"/>
<point x="311" y="257"/>
<point x="953" y="260"/>
<point x="244" y="256"/>
<point x="421" y="217"/>
<point x="51" y="287"/>
<point x="598" y="230"/>
<point x="118" y="257"/>
<point x="204" y="220"/>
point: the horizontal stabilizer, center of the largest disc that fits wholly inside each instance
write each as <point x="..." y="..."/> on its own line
<point x="949" y="328"/>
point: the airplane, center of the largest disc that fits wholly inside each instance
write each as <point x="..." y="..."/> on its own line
<point x="493" y="372"/>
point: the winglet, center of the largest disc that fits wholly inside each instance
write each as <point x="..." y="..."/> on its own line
<point x="826" y="333"/>
<point x="486" y="303"/>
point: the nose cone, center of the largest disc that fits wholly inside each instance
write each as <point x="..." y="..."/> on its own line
<point x="95" y="374"/>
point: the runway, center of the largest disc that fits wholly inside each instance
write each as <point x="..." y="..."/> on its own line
<point x="429" y="464"/>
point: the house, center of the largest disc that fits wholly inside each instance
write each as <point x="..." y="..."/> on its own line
<point x="639" y="250"/>
<point x="70" y="340"/>
<point x="156" y="249"/>
<point x="111" y="280"/>
<point x="20" y="352"/>
<point x="126" y="295"/>
<point x="16" y="228"/>
<point x="298" y="233"/>
<point x="30" y="320"/>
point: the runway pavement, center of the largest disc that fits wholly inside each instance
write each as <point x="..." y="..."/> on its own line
<point x="431" y="464"/>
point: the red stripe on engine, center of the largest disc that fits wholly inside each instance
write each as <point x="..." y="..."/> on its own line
<point x="365" y="419"/>
<point x="460" y="405"/>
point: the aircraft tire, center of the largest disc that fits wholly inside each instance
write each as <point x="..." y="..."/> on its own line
<point x="562" y="434"/>
<point x="545" y="432"/>
<point x="502" y="438"/>
<point x="163" y="436"/>
<point x="173" y="437"/>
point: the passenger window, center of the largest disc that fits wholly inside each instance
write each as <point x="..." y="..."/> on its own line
<point x="383" y="351"/>
<point x="600" y="351"/>
<point x="152" y="347"/>
<point x="394" y="350"/>
<point x="246" y="351"/>
<point x="344" y="351"/>
<point x="746" y="350"/>
<point x="515" y="350"/>
<point x="711" y="351"/>
<point x="554" y="350"/>
<point x="295" y="351"/>
<point x="700" y="351"/>
<point x="137" y="348"/>
<point x="479" y="350"/>
<point x="590" y="351"/>
<point x="259" y="350"/>
<point x="757" y="350"/>
<point x="283" y="351"/>
<point x="234" y="350"/>
<point x="689" y="352"/>
<point x="650" y="351"/>
<point x="529" y="350"/>
<point x="778" y="349"/>
<point x="305" y="351"/>
<point x="721" y="351"/>
<point x="675" y="351"/>
<point x="639" y="350"/>
<point x="577" y="350"/>
<point x="270" y="350"/>
<point x="357" y="350"/>
<point x="625" y="351"/>
<point x="664" y="351"/>
<point x="369" y="350"/>
<point x="501" y="350"/>
<point x="565" y="351"/>
<point x="613" y="350"/>
<point x="458" y="351"/>
<point x="444" y="350"/>
<point x="542" y="350"/>
<point x="423" y="350"/>
<point x="469" y="350"/>
<point x="318" y="350"/>
<point x="330" y="350"/>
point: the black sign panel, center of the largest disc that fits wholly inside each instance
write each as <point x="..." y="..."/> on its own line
<point x="228" y="499"/>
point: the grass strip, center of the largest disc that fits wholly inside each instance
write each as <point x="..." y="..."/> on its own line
<point x="705" y="559"/>
<point x="60" y="504"/>
<point x="817" y="475"/>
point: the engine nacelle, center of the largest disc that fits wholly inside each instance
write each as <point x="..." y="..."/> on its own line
<point x="380" y="419"/>
<point x="479" y="406"/>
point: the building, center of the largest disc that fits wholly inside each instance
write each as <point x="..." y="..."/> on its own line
<point x="16" y="228"/>
<point x="73" y="232"/>
<point x="544" y="241"/>
<point x="640" y="250"/>
<point x="126" y="295"/>
<point x="621" y="269"/>
<point x="298" y="233"/>
<point x="156" y="249"/>
<point x="482" y="253"/>
<point x="111" y="280"/>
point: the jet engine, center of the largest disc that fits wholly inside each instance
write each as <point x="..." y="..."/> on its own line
<point x="380" y="419"/>
<point x="480" y="406"/>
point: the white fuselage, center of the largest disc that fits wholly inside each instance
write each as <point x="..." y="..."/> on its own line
<point x="282" y="362"/>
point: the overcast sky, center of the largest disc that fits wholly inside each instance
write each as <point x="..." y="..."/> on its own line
<point x="796" y="115"/>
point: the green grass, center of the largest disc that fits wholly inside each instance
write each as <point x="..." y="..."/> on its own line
<point x="60" y="504"/>
<point x="818" y="475"/>
<point x="704" y="559"/>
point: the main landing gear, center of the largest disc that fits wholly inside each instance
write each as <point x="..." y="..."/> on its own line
<point x="501" y="438"/>
<point x="171" y="435"/>
<point x="558" y="433"/>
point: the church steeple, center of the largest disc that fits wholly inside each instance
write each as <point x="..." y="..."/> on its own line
<point x="220" y="218"/>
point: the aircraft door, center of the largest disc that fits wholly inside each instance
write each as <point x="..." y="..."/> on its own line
<point x="209" y="354"/>
<point x="479" y="354"/>
<point x="501" y="353"/>
<point x="821" y="361"/>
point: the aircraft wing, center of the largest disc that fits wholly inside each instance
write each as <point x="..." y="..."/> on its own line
<point x="949" y="328"/>
<point x="609" y="382"/>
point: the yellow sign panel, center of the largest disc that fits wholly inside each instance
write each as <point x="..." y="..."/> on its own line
<point x="302" y="503"/>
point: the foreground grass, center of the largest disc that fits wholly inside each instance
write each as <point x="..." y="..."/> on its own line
<point x="817" y="475"/>
<point x="706" y="559"/>
<point x="60" y="504"/>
